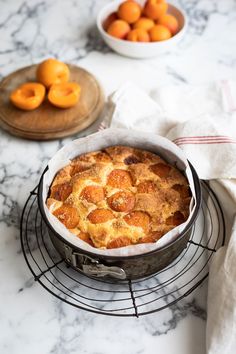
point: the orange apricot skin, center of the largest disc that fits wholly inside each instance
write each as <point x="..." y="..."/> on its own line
<point x="61" y="191"/>
<point x="170" y="22"/>
<point x="64" y="95"/>
<point x="129" y="11"/>
<point x="111" y="18"/>
<point x="151" y="237"/>
<point x="118" y="29"/>
<point x="144" y="23"/>
<point x="68" y="215"/>
<point x="28" y="96"/>
<point x="86" y="238"/>
<point x="122" y="201"/>
<point x="138" y="35"/>
<point x="118" y="242"/>
<point x="99" y="216"/>
<point x="154" y="9"/>
<point x="159" y="33"/>
<point x="52" y="71"/>
<point x="93" y="194"/>
<point x="147" y="187"/>
<point x="119" y="179"/>
<point x="138" y="218"/>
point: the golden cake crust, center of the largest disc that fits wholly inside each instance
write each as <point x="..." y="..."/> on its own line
<point x="119" y="196"/>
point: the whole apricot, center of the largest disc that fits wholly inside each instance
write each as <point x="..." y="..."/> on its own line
<point x="138" y="35"/>
<point x="129" y="11"/>
<point x="64" y="95"/>
<point x="118" y="29"/>
<point x="159" y="33"/>
<point x="52" y="71"/>
<point x="144" y="23"/>
<point x="154" y="9"/>
<point x="111" y="18"/>
<point x="170" y="22"/>
<point x="28" y="96"/>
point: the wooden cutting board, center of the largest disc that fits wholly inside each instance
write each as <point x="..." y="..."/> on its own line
<point x="49" y="122"/>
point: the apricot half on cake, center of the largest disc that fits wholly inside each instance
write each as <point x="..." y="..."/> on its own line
<point x="28" y="96"/>
<point x="64" y="95"/>
<point x="52" y="71"/>
<point x="122" y="201"/>
<point x="68" y="215"/>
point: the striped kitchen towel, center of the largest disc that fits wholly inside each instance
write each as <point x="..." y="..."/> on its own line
<point x="201" y="120"/>
<point x="209" y="143"/>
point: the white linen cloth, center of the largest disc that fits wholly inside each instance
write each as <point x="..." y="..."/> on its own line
<point x="202" y="121"/>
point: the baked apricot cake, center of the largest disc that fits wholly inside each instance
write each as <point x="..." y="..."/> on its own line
<point x="119" y="196"/>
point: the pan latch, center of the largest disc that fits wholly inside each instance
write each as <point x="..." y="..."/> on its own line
<point x="91" y="266"/>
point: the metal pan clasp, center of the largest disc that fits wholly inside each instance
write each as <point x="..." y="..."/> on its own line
<point x="93" y="267"/>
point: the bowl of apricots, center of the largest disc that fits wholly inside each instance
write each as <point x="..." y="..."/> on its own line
<point x="141" y="28"/>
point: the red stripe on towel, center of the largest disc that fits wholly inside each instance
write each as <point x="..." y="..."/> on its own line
<point x="205" y="137"/>
<point x="204" y="142"/>
<point x="218" y="139"/>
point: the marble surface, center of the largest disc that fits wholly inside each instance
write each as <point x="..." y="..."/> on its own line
<point x="31" y="320"/>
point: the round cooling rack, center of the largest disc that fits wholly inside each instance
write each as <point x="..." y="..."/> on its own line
<point x="126" y="297"/>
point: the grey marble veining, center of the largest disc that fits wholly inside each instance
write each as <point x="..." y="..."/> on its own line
<point x="32" y="321"/>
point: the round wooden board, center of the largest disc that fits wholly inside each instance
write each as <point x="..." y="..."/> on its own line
<point x="49" y="122"/>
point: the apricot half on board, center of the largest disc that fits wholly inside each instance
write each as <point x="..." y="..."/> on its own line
<point x="28" y="96"/>
<point x="52" y="71"/>
<point x="64" y="95"/>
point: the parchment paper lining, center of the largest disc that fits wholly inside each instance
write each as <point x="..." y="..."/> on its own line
<point x="110" y="137"/>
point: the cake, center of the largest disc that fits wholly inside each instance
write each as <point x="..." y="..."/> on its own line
<point x="119" y="196"/>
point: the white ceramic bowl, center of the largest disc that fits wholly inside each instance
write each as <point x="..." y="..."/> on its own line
<point x="139" y="49"/>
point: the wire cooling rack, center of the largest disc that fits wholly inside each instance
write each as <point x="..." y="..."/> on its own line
<point x="123" y="298"/>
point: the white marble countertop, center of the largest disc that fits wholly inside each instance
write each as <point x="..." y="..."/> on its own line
<point x="33" y="321"/>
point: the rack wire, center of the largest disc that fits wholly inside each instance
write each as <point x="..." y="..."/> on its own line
<point x="123" y="297"/>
